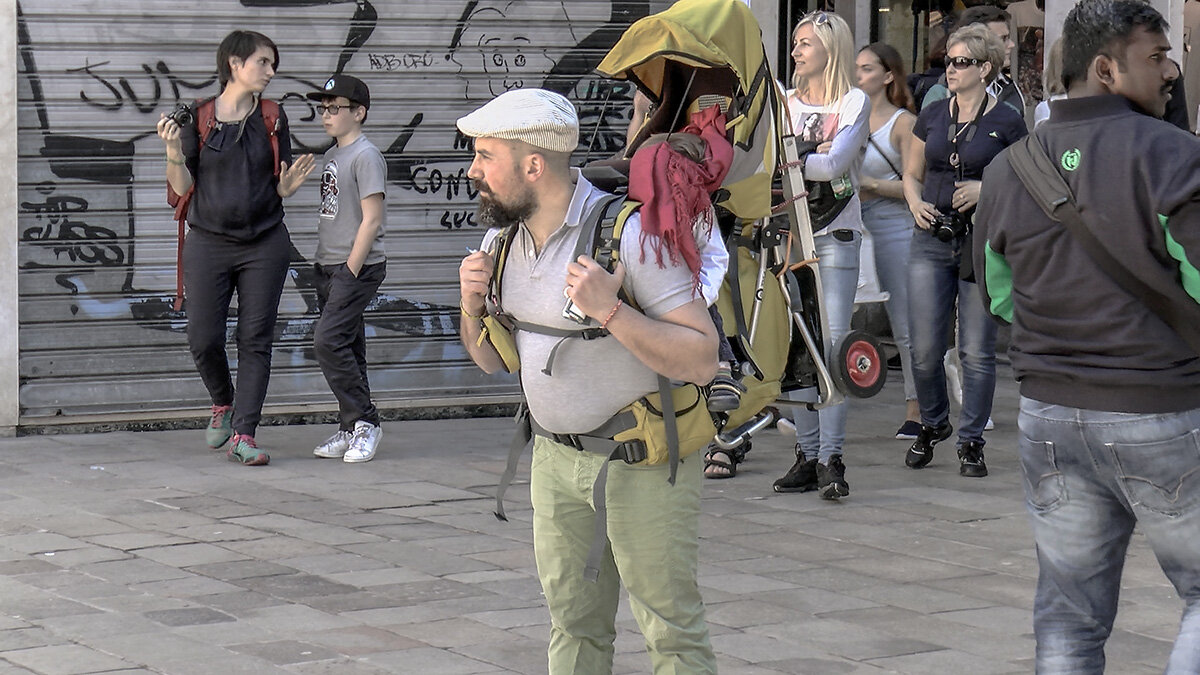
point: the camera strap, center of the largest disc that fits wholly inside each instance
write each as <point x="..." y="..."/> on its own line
<point x="969" y="131"/>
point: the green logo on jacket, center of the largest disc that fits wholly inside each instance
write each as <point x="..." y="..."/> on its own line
<point x="1070" y="159"/>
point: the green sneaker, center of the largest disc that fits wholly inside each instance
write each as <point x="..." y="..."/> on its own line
<point x="220" y="428"/>
<point x="242" y="448"/>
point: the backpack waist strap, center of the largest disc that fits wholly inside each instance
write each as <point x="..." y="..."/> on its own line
<point x="600" y="440"/>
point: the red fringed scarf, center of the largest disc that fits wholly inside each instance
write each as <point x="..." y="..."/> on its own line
<point x="675" y="191"/>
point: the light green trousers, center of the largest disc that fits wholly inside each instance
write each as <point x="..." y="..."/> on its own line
<point x="653" y="531"/>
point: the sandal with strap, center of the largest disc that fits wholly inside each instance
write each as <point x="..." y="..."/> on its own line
<point x="734" y="458"/>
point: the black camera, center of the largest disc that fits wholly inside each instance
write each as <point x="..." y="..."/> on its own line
<point x="950" y="226"/>
<point x="181" y="115"/>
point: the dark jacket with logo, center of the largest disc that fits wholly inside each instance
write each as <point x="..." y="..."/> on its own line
<point x="1079" y="339"/>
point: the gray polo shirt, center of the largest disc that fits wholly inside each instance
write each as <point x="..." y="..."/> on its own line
<point x="351" y="173"/>
<point x="592" y="379"/>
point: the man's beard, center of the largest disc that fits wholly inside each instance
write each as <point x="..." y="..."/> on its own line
<point x="493" y="213"/>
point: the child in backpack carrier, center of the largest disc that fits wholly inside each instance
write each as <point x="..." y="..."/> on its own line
<point x="674" y="175"/>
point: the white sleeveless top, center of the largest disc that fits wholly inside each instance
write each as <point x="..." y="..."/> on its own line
<point x="874" y="165"/>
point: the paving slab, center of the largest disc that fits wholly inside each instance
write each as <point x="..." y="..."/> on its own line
<point x="126" y="557"/>
<point x="68" y="659"/>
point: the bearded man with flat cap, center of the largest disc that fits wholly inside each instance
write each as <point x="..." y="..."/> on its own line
<point x="521" y="168"/>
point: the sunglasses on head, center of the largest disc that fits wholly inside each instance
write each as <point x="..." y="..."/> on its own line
<point x="961" y="62"/>
<point x="817" y="18"/>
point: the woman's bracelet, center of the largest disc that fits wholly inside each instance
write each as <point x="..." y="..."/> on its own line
<point x="604" y="324"/>
<point x="473" y="317"/>
<point x="176" y="162"/>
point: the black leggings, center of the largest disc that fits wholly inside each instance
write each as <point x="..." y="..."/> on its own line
<point x="213" y="268"/>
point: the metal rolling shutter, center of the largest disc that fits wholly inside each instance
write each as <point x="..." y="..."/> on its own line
<point x="98" y="338"/>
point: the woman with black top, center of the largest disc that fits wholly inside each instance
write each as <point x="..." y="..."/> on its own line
<point x="237" y="239"/>
<point x="953" y="141"/>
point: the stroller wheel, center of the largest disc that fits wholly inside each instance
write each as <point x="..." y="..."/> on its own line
<point x="859" y="366"/>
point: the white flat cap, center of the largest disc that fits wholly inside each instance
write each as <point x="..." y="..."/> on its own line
<point x="538" y="117"/>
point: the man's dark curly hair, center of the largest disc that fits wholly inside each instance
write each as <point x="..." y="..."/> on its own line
<point x="1096" y="27"/>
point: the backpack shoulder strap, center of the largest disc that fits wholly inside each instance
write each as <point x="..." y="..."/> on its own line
<point x="1039" y="176"/>
<point x="270" y="114"/>
<point x="500" y="246"/>
<point x="1048" y="188"/>
<point x="206" y="118"/>
<point x="606" y="238"/>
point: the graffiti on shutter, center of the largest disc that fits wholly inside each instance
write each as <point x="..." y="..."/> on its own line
<point x="97" y="243"/>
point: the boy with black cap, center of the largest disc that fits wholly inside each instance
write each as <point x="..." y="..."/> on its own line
<point x="350" y="263"/>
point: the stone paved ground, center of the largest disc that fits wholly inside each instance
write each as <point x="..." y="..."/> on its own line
<point x="146" y="553"/>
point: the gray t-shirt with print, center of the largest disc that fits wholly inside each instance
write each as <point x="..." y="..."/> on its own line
<point x="350" y="174"/>
<point x="591" y="379"/>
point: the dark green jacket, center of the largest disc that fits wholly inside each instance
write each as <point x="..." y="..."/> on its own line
<point x="1078" y="339"/>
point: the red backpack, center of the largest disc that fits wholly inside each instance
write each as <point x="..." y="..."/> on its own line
<point x="206" y="121"/>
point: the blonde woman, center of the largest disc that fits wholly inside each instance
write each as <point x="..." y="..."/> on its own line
<point x="830" y="115"/>
<point x="953" y="141"/>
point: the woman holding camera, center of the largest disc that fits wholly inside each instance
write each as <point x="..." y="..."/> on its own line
<point x="830" y="115"/>
<point x="237" y="240"/>
<point x="953" y="141"/>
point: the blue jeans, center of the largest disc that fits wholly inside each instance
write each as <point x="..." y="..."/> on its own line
<point x="933" y="288"/>
<point x="891" y="226"/>
<point x="1089" y="478"/>
<point x="821" y="434"/>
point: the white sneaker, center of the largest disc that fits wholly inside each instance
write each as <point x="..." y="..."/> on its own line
<point x="363" y="442"/>
<point x="335" y="446"/>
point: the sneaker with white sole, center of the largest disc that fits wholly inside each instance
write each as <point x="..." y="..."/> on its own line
<point x="335" y="446"/>
<point x="909" y="430"/>
<point x="786" y="426"/>
<point x="364" y="440"/>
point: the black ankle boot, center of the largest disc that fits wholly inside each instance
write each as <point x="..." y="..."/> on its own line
<point x="970" y="457"/>
<point x="802" y="477"/>
<point x="831" y="479"/>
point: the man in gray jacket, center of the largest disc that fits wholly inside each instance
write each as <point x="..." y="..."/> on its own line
<point x="1110" y="393"/>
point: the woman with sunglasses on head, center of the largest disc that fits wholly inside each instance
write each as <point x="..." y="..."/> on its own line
<point x="237" y="241"/>
<point x="830" y="116"/>
<point x="953" y="141"/>
<point x="885" y="214"/>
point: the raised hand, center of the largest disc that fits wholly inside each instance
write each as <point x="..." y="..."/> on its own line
<point x="291" y="178"/>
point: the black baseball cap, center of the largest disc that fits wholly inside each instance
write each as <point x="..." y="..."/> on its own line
<point x="344" y="85"/>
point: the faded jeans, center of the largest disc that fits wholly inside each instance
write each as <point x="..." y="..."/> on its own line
<point x="821" y="433"/>
<point x="1089" y="478"/>
<point x="891" y="226"/>
<point x="933" y="288"/>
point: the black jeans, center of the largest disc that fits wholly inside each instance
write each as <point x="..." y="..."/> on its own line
<point x="339" y="338"/>
<point x="213" y="267"/>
